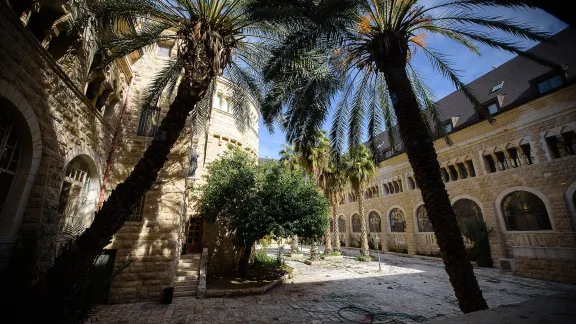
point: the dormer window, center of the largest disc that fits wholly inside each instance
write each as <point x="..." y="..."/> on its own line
<point x="447" y="126"/>
<point x="493" y="108"/>
<point x="549" y="84"/>
<point x="497" y="86"/>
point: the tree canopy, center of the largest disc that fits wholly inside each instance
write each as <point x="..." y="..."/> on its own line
<point x="256" y="200"/>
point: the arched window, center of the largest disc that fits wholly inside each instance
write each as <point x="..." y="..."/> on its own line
<point x="331" y="225"/>
<point x="386" y="190"/>
<point x="342" y="224"/>
<point x="423" y="222"/>
<point x="74" y="203"/>
<point x="397" y="221"/>
<point x="524" y="211"/>
<point x="356" y="227"/>
<point x="467" y="211"/>
<point x="374" y="222"/>
<point x="9" y="156"/>
<point x="411" y="184"/>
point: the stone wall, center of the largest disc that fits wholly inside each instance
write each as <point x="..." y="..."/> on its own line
<point x="563" y="270"/>
<point x="548" y="178"/>
<point x="154" y="242"/>
<point x="54" y="122"/>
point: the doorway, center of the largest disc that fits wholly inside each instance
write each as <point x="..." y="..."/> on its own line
<point x="194" y="236"/>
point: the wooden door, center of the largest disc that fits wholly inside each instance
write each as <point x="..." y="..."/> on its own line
<point x="194" y="238"/>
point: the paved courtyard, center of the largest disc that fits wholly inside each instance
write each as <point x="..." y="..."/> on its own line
<point x="407" y="290"/>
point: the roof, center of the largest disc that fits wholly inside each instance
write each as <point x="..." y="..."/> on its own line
<point x="517" y="75"/>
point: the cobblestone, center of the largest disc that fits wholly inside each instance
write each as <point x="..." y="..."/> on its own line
<point x="407" y="290"/>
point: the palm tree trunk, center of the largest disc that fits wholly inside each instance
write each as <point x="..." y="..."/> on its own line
<point x="328" y="241"/>
<point x="50" y="292"/>
<point x="294" y="244"/>
<point x="20" y="6"/>
<point x="364" y="234"/>
<point x="336" y="226"/>
<point x="419" y="146"/>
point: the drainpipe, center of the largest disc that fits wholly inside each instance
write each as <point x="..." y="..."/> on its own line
<point x="114" y="144"/>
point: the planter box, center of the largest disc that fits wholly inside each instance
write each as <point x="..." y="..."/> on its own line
<point x="332" y="257"/>
<point x="309" y="262"/>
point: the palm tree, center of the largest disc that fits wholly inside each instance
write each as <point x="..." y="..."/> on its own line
<point x="314" y="157"/>
<point x="359" y="170"/>
<point x="288" y="156"/>
<point x="361" y="50"/>
<point x="336" y="182"/>
<point x="212" y="38"/>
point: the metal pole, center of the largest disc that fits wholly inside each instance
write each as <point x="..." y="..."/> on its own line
<point x="378" y="248"/>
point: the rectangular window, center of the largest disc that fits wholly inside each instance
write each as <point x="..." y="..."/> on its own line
<point x="138" y="211"/>
<point x="163" y="50"/>
<point x="148" y="123"/>
<point x="552" y="143"/>
<point x="490" y="164"/>
<point x="453" y="173"/>
<point x="550" y="84"/>
<point x="463" y="171"/>
<point x="570" y="142"/>
<point x="471" y="168"/>
<point x="526" y="151"/>
<point x="514" y="158"/>
<point x="502" y="161"/>
<point x="445" y="174"/>
<point x="493" y="108"/>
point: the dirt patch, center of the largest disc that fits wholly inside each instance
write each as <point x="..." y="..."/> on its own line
<point x="257" y="276"/>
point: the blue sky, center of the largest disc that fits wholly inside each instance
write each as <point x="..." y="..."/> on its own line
<point x="469" y="65"/>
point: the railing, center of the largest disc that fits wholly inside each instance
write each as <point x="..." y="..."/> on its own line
<point x="396" y="238"/>
<point x="558" y="239"/>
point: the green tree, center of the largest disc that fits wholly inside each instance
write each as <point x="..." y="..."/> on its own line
<point x="258" y="200"/>
<point x="212" y="37"/>
<point x="359" y="170"/>
<point x="361" y="50"/>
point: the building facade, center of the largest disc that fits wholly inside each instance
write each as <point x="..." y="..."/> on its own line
<point x="518" y="174"/>
<point x="69" y="133"/>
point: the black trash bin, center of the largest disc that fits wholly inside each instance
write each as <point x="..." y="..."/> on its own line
<point x="168" y="295"/>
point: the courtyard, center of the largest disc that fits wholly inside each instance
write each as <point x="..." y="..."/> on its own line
<point x="406" y="290"/>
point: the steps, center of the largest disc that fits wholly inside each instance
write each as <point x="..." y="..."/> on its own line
<point x="187" y="276"/>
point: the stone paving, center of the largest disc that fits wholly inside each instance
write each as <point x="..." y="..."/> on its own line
<point x="407" y="290"/>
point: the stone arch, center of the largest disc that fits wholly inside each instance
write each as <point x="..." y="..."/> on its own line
<point x="342" y="223"/>
<point x="372" y="214"/>
<point x="570" y="196"/>
<point x="388" y="217"/>
<point x="87" y="156"/>
<point x="420" y="224"/>
<point x="30" y="146"/>
<point x="474" y="199"/>
<point x="505" y="193"/>
<point x="475" y="204"/>
<point x="355" y="223"/>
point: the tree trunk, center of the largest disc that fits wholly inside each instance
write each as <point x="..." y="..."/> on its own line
<point x="419" y="146"/>
<point x="336" y="226"/>
<point x="244" y="261"/>
<point x="50" y="292"/>
<point x="314" y="256"/>
<point x="294" y="244"/>
<point x="328" y="240"/>
<point x="363" y="233"/>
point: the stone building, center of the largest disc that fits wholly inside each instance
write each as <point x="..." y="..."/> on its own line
<point x="69" y="133"/>
<point x="517" y="174"/>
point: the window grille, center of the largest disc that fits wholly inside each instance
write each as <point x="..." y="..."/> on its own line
<point x="149" y="122"/>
